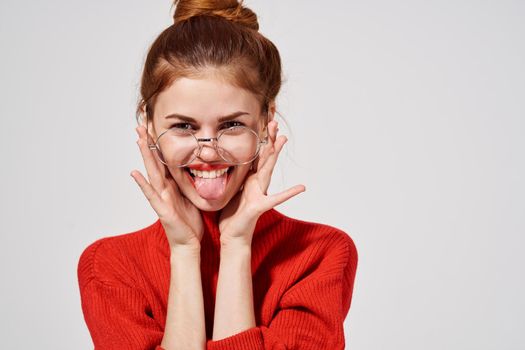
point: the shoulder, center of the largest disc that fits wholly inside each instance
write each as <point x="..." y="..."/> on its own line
<point x="110" y="258"/>
<point x="320" y="232"/>
<point x="326" y="248"/>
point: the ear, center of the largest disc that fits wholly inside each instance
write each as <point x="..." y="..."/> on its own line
<point x="271" y="110"/>
<point x="147" y="123"/>
<point x="269" y="118"/>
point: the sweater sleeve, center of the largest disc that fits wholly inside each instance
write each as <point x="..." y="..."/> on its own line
<point x="117" y="318"/>
<point x="310" y="315"/>
<point x="117" y="315"/>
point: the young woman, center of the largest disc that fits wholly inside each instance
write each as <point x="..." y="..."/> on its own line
<point x="220" y="268"/>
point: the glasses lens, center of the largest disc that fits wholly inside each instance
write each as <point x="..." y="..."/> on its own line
<point x="236" y="145"/>
<point x="176" y="147"/>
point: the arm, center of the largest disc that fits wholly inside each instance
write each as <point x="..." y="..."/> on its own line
<point x="185" y="327"/>
<point x="309" y="316"/>
<point x="234" y="298"/>
<point x="119" y="316"/>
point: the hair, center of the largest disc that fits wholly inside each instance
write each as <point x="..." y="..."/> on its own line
<point x="218" y="37"/>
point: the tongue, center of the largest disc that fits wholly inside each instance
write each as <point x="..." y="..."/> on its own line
<point x="211" y="188"/>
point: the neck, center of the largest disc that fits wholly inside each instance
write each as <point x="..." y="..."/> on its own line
<point x="211" y="217"/>
<point x="210" y="220"/>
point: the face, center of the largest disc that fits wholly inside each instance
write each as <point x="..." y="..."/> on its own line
<point x="205" y="101"/>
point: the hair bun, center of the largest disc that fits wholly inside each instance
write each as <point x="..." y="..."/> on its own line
<point x="231" y="10"/>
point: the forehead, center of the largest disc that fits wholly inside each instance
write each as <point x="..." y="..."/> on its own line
<point x="203" y="99"/>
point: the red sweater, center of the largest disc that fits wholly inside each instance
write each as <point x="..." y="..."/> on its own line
<point x="303" y="277"/>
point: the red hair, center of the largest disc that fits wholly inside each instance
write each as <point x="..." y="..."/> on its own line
<point x="222" y="35"/>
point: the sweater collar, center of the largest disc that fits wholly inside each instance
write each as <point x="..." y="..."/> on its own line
<point x="210" y="220"/>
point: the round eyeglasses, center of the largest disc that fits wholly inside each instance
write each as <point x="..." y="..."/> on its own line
<point x="177" y="147"/>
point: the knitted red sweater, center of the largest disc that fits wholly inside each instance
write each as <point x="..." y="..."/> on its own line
<point x="303" y="277"/>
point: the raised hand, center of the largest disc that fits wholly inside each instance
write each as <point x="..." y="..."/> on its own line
<point x="179" y="217"/>
<point x="238" y="218"/>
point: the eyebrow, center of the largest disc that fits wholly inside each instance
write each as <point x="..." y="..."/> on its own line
<point x="220" y="119"/>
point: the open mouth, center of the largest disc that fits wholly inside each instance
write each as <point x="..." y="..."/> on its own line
<point x="192" y="176"/>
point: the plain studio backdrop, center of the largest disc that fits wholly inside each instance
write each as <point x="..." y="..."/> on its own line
<point x="406" y="122"/>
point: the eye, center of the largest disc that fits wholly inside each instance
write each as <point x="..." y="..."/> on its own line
<point x="181" y="126"/>
<point x="232" y="123"/>
<point x="188" y="126"/>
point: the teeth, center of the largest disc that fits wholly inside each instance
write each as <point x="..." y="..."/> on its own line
<point x="209" y="174"/>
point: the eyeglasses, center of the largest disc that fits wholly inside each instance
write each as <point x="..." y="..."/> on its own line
<point x="177" y="147"/>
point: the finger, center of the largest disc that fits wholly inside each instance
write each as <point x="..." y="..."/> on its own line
<point x="155" y="174"/>
<point x="268" y="147"/>
<point x="148" y="190"/>
<point x="283" y="196"/>
<point x="274" y="152"/>
<point x="163" y="169"/>
<point x="165" y="172"/>
<point x="265" y="171"/>
<point x="167" y="181"/>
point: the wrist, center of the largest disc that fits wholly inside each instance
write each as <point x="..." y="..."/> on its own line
<point x="186" y="250"/>
<point x="240" y="244"/>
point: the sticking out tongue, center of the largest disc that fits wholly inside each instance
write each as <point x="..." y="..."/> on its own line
<point x="211" y="188"/>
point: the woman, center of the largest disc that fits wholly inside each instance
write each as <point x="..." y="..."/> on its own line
<point x="220" y="268"/>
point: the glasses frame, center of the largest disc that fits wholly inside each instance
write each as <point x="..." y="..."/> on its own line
<point x="155" y="146"/>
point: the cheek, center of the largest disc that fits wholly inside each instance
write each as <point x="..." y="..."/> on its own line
<point x="178" y="176"/>
<point x="241" y="171"/>
<point x="240" y="174"/>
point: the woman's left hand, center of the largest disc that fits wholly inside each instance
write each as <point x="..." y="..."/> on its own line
<point x="239" y="216"/>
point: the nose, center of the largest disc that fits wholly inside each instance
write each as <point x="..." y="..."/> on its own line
<point x="208" y="151"/>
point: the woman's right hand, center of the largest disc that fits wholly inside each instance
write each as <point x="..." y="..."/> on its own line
<point x="179" y="217"/>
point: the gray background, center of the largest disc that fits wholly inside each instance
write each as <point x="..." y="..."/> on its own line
<point x="406" y="122"/>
